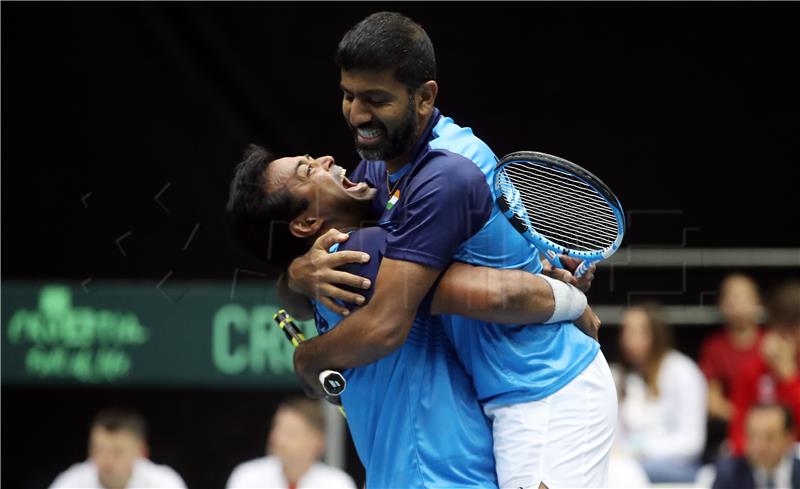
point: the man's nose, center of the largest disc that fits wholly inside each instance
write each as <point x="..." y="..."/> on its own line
<point x="359" y="113"/>
<point x="324" y="162"/>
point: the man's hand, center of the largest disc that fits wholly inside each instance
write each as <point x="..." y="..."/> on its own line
<point x="566" y="274"/>
<point x="589" y="323"/>
<point x="780" y="355"/>
<point x="314" y="274"/>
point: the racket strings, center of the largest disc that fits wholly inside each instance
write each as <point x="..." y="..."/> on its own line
<point x="529" y="175"/>
<point x="559" y="206"/>
<point x="587" y="234"/>
<point x="592" y="211"/>
<point x="582" y="219"/>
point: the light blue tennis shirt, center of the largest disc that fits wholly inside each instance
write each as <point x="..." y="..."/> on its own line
<point x="413" y="415"/>
<point x="445" y="212"/>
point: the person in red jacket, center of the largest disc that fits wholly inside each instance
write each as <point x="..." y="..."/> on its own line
<point x="773" y="376"/>
<point x="724" y="353"/>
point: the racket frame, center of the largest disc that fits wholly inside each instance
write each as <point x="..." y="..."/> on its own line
<point x="547" y="247"/>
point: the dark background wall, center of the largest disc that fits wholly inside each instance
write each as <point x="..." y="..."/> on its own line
<point x="686" y="108"/>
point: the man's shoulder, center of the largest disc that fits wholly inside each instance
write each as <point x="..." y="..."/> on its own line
<point x="449" y="136"/>
<point x="716" y="343"/>
<point x="253" y="472"/>
<point x="732" y="470"/>
<point x="442" y="167"/>
<point x="81" y="474"/>
<point x="157" y="475"/>
<point x="364" y="239"/>
<point x="329" y="476"/>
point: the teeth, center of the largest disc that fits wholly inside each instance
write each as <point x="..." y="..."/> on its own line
<point x="369" y="133"/>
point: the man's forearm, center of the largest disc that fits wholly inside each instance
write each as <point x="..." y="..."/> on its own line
<point x="376" y="329"/>
<point x="354" y="342"/>
<point x="296" y="303"/>
<point x="502" y="296"/>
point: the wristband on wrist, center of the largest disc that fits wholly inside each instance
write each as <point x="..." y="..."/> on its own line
<point x="569" y="302"/>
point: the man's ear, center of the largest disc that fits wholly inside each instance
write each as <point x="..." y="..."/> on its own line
<point x="426" y="97"/>
<point x="304" y="226"/>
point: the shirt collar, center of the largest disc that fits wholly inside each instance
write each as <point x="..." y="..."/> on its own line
<point x="781" y="475"/>
<point x="425" y="137"/>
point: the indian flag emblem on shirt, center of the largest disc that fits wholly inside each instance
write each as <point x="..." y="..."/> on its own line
<point x="393" y="200"/>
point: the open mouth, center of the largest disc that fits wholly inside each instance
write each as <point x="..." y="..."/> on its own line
<point x="349" y="186"/>
<point x="369" y="136"/>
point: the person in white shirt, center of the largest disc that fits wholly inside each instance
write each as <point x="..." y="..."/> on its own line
<point x="662" y="399"/>
<point x="118" y="457"/>
<point x="296" y="442"/>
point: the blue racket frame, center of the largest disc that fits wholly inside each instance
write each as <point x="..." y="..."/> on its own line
<point x="515" y="212"/>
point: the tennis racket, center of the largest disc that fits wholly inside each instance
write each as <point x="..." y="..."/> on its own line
<point x="333" y="382"/>
<point x="559" y="207"/>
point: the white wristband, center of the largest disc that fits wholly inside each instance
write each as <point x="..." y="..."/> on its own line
<point x="569" y="302"/>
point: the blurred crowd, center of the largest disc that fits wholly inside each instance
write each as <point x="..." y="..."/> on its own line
<point x="728" y="419"/>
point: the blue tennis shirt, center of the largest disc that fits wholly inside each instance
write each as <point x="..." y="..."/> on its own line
<point x="446" y="211"/>
<point x="413" y="415"/>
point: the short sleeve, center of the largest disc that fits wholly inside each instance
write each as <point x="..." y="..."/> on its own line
<point x="444" y="204"/>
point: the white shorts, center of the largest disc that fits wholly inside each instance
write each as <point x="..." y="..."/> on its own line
<point x="563" y="440"/>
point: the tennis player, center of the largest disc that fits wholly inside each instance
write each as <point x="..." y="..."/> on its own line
<point x="413" y="414"/>
<point x="547" y="390"/>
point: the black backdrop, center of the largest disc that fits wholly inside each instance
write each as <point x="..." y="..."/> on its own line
<point x="687" y="109"/>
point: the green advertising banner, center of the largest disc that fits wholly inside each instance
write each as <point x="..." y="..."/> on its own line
<point x="190" y="334"/>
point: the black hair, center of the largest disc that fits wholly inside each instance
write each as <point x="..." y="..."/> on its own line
<point x="389" y="40"/>
<point x="118" y="419"/>
<point x="258" y="219"/>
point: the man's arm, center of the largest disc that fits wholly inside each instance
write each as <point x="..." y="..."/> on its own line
<point x="373" y="331"/>
<point x="510" y="296"/>
<point x="296" y="303"/>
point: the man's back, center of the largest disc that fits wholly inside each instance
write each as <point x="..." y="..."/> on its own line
<point x="413" y="414"/>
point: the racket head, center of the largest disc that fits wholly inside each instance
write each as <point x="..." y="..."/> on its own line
<point x="560" y="207"/>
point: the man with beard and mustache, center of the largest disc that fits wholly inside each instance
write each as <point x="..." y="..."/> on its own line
<point x="413" y="415"/>
<point x="434" y="198"/>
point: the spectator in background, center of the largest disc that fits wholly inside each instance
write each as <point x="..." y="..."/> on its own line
<point x="771" y="461"/>
<point x="723" y="354"/>
<point x="294" y="446"/>
<point x="774" y="375"/>
<point x="663" y="399"/>
<point x="118" y="457"/>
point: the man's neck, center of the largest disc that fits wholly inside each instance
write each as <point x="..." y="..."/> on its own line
<point x="294" y="472"/>
<point x="743" y="335"/>
<point x="342" y="226"/>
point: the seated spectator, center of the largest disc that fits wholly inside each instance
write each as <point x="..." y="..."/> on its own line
<point x="663" y="400"/>
<point x="770" y="460"/>
<point x="774" y="375"/>
<point x="295" y="444"/>
<point x="723" y="354"/>
<point x="118" y="457"/>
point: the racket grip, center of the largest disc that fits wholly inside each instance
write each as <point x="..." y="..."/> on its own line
<point x="333" y="382"/>
<point x="582" y="268"/>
